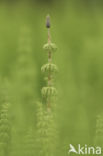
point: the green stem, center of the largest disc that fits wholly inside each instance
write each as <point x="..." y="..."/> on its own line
<point x="49" y="73"/>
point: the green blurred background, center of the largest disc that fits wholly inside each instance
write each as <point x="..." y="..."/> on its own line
<point x="77" y="29"/>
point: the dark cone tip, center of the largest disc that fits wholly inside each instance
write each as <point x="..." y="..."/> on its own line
<point x="48" y="21"/>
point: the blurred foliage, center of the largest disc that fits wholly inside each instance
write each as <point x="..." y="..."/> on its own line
<point x="77" y="29"/>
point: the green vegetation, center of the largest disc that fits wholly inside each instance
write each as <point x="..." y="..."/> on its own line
<point x="46" y="129"/>
<point x="35" y="117"/>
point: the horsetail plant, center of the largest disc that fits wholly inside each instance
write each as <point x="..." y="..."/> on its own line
<point x="4" y="130"/>
<point x="29" y="143"/>
<point x="47" y="132"/>
<point x="99" y="130"/>
<point x="23" y="94"/>
<point x="5" y="126"/>
<point x="49" y="91"/>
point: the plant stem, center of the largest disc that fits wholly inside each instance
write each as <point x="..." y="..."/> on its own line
<point x="49" y="73"/>
<point x="49" y="91"/>
<point x="49" y="41"/>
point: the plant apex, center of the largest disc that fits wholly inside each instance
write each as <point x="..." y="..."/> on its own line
<point x="48" y="21"/>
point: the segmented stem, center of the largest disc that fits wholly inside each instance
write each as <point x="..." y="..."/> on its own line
<point x="49" y="73"/>
<point x="49" y="91"/>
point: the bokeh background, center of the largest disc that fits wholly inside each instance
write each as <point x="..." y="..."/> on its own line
<point x="77" y="30"/>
